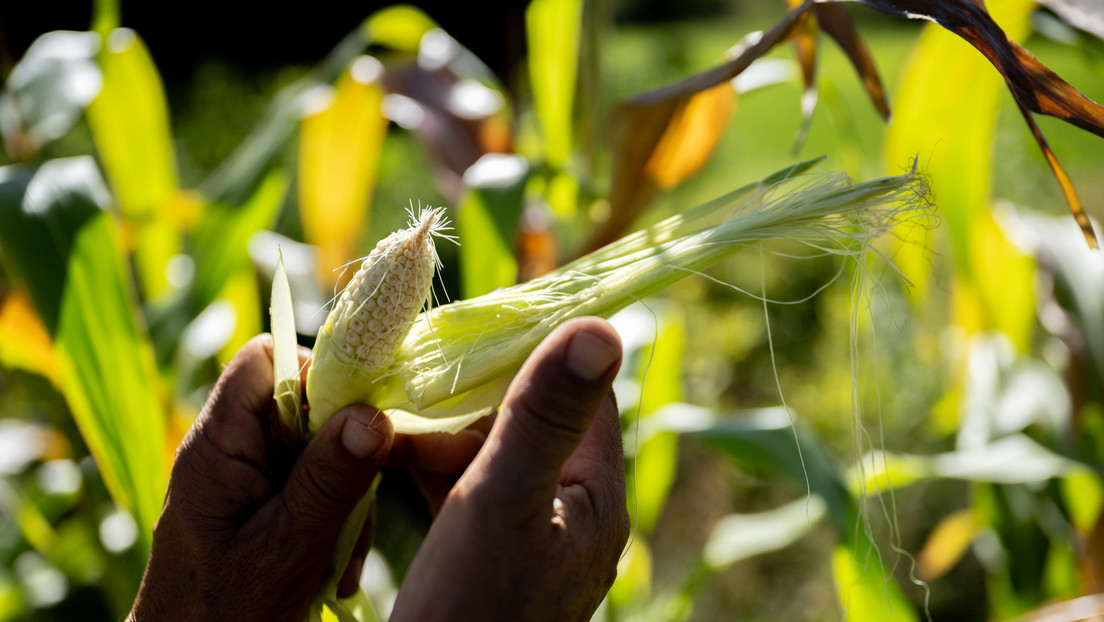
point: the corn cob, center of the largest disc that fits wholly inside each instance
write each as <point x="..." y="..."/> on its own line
<point x="373" y="315"/>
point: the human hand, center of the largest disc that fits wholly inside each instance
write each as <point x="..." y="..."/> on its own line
<point x="535" y="526"/>
<point x="251" y="516"/>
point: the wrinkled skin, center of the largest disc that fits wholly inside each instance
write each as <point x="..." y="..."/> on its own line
<point x="530" y="518"/>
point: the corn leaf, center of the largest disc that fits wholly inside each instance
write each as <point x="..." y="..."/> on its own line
<point x="239" y="176"/>
<point x="487" y="222"/>
<point x="400" y="27"/>
<point x="663" y="136"/>
<point x="62" y="246"/>
<point x="836" y="23"/>
<point x="1035" y="87"/>
<point x="24" y="342"/>
<point x="946" y="545"/>
<point x="553" y="28"/>
<point x="129" y="120"/>
<point x="866" y="588"/>
<point x="739" y="536"/>
<point x="656" y="459"/>
<point x="339" y="151"/>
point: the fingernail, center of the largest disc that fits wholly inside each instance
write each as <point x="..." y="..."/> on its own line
<point x="590" y="356"/>
<point x="358" y="439"/>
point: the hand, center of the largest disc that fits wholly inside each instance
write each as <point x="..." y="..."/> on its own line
<point x="535" y="526"/>
<point x="249" y="521"/>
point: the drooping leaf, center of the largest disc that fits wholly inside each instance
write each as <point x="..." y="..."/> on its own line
<point x="805" y="47"/>
<point x="661" y="137"/>
<point x="1035" y="87"/>
<point x="340" y="142"/>
<point x="62" y="246"/>
<point x="837" y="23"/>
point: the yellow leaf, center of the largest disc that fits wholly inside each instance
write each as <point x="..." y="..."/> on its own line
<point x="24" y="342"/>
<point x="339" y="151"/>
<point x="946" y="545"/>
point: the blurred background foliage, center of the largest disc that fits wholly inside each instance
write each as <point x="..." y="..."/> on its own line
<point x="938" y="451"/>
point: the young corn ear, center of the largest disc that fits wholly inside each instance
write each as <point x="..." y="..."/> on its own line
<point x="373" y="315"/>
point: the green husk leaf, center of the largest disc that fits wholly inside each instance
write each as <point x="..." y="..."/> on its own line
<point x="285" y="355"/>
<point x="458" y="358"/>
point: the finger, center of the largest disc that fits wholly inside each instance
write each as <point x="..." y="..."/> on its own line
<point x="335" y="471"/>
<point x="436" y="453"/>
<point x="550" y="405"/>
<point x="234" y="418"/>
<point x="593" y="479"/>
<point x="435" y="487"/>
<point x="350" y="581"/>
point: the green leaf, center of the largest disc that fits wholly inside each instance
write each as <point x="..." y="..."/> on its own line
<point x="285" y="353"/>
<point x="554" y="27"/>
<point x="767" y="439"/>
<point x="487" y="223"/>
<point x="130" y="124"/>
<point x="656" y="460"/>
<point x="866" y="589"/>
<point x="740" y="536"/>
<point x="61" y="244"/>
<point x="399" y="27"/>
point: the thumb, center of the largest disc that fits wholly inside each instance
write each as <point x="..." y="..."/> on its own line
<point x="552" y="402"/>
<point x="336" y="470"/>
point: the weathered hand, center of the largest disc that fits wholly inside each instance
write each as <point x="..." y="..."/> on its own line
<point x="251" y="517"/>
<point x="534" y="527"/>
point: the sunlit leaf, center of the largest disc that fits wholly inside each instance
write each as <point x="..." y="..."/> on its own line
<point x="400" y="27"/>
<point x="740" y="536"/>
<point x="487" y="223"/>
<point x="62" y="246"/>
<point x="47" y="90"/>
<point x="24" y="342"/>
<point x="129" y="120"/>
<point x="553" y="28"/>
<point x="946" y="545"/>
<point x="866" y="588"/>
<point x="661" y="137"/>
<point x="1035" y="87"/>
<point x="340" y="142"/>
<point x="659" y="374"/>
<point x="634" y="574"/>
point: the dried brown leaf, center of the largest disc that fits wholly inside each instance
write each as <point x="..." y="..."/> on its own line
<point x="1035" y="87"/>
